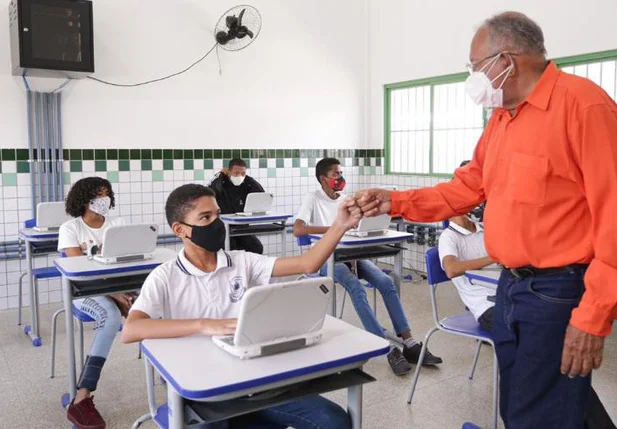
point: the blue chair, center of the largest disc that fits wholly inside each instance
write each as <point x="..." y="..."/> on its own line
<point x="303" y="241"/>
<point x="81" y="318"/>
<point x="462" y="324"/>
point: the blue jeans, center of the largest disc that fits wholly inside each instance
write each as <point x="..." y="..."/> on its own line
<point x="108" y="320"/>
<point x="311" y="412"/>
<point x="383" y="283"/>
<point x="531" y="317"/>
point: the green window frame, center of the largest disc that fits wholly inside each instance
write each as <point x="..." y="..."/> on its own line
<point x="427" y="126"/>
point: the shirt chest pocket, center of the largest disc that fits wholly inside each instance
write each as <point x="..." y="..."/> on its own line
<point x="527" y="178"/>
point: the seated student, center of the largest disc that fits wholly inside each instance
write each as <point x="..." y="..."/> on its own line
<point x="461" y="248"/>
<point x="191" y="294"/>
<point x="231" y="186"/>
<point x="89" y="201"/>
<point x="316" y="215"/>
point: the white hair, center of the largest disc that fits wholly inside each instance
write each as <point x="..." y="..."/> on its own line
<point x="516" y="31"/>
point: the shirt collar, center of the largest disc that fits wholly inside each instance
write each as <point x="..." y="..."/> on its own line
<point x="325" y="196"/>
<point x="223" y="260"/>
<point x="464" y="231"/>
<point x="541" y="93"/>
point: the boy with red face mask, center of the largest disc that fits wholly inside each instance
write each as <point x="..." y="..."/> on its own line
<point x="317" y="214"/>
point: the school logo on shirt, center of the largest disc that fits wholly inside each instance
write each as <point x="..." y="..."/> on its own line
<point x="236" y="289"/>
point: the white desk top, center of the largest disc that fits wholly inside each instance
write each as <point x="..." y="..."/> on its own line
<point x="234" y="219"/>
<point x="198" y="369"/>
<point x="490" y="276"/>
<point x="348" y="241"/>
<point x="30" y="234"/>
<point x="80" y="268"/>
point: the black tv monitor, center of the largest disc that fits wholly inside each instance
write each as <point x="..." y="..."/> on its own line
<point x="51" y="38"/>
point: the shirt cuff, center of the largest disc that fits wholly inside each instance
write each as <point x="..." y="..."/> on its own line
<point x="398" y="203"/>
<point x="592" y="319"/>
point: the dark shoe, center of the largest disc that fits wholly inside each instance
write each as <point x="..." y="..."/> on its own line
<point x="84" y="415"/>
<point x="412" y="354"/>
<point x="397" y="362"/>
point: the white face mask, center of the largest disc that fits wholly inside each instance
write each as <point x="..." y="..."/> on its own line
<point x="480" y="89"/>
<point x="100" y="205"/>
<point x="237" y="180"/>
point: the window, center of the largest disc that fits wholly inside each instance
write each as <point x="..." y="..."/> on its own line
<point x="600" y="68"/>
<point x="431" y="125"/>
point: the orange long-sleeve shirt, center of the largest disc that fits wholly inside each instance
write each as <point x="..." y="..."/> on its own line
<point x="549" y="175"/>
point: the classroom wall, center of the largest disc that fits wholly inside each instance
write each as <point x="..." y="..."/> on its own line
<point x="413" y="40"/>
<point x="300" y="85"/>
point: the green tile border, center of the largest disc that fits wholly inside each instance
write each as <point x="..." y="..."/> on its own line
<point x="191" y="154"/>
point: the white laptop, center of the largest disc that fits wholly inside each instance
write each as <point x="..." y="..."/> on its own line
<point x="128" y="243"/>
<point x="257" y="203"/>
<point x="279" y="317"/>
<point x="49" y="216"/>
<point x="371" y="226"/>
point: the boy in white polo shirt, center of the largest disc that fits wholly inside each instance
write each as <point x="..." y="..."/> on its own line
<point x="461" y="248"/>
<point x="201" y="292"/>
<point x="317" y="214"/>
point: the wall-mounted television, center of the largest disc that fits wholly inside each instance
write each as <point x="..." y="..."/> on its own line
<point x="51" y="38"/>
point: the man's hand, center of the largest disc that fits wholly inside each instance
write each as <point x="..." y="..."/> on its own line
<point x="373" y="202"/>
<point x="226" y="172"/>
<point x="582" y="352"/>
<point x="124" y="302"/>
<point x="218" y="326"/>
<point x="348" y="214"/>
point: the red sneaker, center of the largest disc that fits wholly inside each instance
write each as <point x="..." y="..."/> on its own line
<point x="84" y="415"/>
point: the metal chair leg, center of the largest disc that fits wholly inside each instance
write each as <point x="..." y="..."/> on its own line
<point x="81" y="344"/>
<point x="54" y="319"/>
<point x="416" y="374"/>
<point x="475" y="360"/>
<point x="20" y="298"/>
<point x="495" y="390"/>
<point x="375" y="300"/>
<point x="343" y="305"/>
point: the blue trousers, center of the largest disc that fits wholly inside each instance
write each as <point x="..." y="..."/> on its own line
<point x="531" y="317"/>
<point x="108" y="320"/>
<point x="311" y="412"/>
<point x="383" y="283"/>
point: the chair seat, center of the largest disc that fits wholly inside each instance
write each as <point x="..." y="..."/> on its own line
<point x="46" y="273"/>
<point x="80" y="315"/>
<point x="466" y="324"/>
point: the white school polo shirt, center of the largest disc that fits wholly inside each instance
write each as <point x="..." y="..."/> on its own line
<point x="76" y="233"/>
<point x="465" y="245"/>
<point x="179" y="290"/>
<point x="318" y="209"/>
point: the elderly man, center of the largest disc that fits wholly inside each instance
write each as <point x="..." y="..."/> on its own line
<point x="547" y="165"/>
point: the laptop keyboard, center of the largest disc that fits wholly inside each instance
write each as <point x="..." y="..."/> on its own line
<point x="228" y="340"/>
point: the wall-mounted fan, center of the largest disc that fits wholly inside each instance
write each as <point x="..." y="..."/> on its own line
<point x="238" y="28"/>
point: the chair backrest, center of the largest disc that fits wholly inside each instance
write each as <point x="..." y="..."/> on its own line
<point x="434" y="271"/>
<point x="303" y="240"/>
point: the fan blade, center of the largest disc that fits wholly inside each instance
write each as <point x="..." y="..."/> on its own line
<point x="231" y="22"/>
<point x="240" y="17"/>
<point x="249" y="33"/>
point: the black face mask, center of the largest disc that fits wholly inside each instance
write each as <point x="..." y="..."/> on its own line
<point x="210" y="237"/>
<point x="477" y="214"/>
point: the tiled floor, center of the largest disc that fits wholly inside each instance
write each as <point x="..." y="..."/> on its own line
<point x="445" y="397"/>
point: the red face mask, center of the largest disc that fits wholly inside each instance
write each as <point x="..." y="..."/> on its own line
<point x="337" y="185"/>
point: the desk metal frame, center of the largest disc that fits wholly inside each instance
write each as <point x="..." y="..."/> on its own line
<point x="273" y="218"/>
<point x="31" y="237"/>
